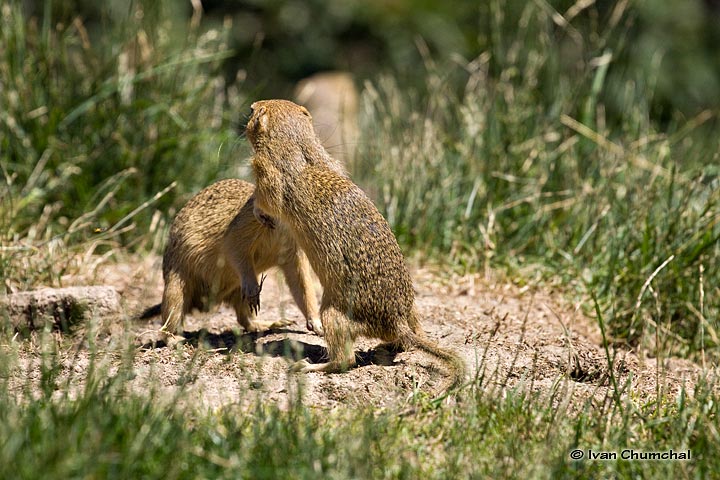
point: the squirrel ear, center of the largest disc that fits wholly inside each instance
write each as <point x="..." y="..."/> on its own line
<point x="305" y="112"/>
<point x="262" y="119"/>
<point x="258" y="117"/>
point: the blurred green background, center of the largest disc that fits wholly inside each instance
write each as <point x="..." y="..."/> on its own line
<point x="98" y="72"/>
<point x="673" y="45"/>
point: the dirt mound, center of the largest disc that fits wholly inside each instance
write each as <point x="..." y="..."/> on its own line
<point x="509" y="337"/>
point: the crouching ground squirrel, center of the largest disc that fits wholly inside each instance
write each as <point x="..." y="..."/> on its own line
<point x="367" y="288"/>
<point x="216" y="250"/>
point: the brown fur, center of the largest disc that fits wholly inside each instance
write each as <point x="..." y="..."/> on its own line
<point x="366" y="283"/>
<point x="215" y="251"/>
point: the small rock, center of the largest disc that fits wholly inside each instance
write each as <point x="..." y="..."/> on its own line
<point x="60" y="306"/>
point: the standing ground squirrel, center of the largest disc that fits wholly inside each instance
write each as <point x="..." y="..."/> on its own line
<point x="215" y="251"/>
<point x="367" y="288"/>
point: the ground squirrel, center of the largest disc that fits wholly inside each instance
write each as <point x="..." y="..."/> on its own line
<point x="367" y="288"/>
<point x="216" y="249"/>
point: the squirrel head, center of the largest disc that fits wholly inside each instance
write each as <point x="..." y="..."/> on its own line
<point x="273" y="121"/>
<point x="281" y="132"/>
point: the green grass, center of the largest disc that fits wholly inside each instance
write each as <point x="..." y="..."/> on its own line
<point x="500" y="172"/>
<point x="107" y="429"/>
<point x="97" y="127"/>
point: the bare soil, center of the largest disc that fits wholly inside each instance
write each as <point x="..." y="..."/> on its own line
<point x="511" y="338"/>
